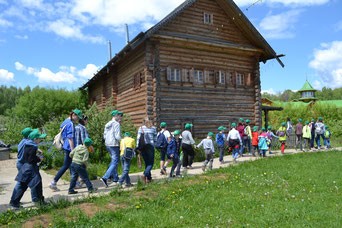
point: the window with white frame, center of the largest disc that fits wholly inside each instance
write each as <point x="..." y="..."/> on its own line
<point x="173" y="74"/>
<point x="240" y="79"/>
<point x="198" y="76"/>
<point x="222" y="77"/>
<point x="208" y="18"/>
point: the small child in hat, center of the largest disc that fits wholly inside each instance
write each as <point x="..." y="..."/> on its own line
<point x="220" y="142"/>
<point x="255" y="140"/>
<point x="209" y="151"/>
<point x="327" y="135"/>
<point x="126" y="143"/>
<point x="80" y="156"/>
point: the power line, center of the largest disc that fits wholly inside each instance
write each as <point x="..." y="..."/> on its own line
<point x="253" y="4"/>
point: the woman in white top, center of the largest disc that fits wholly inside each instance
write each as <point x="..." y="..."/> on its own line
<point x="187" y="142"/>
<point x="149" y="132"/>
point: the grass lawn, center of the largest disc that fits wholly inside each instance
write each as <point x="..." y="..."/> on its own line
<point x="301" y="190"/>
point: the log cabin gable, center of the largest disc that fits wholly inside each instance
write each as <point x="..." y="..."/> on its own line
<point x="207" y="21"/>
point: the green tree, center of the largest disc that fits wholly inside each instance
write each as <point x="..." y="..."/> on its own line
<point x="42" y="105"/>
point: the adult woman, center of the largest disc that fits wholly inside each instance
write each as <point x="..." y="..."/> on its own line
<point x="146" y="146"/>
<point x="187" y="142"/>
<point x="68" y="134"/>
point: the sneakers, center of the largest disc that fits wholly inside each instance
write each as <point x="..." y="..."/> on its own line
<point x="53" y="187"/>
<point x="104" y="181"/>
<point x="163" y="171"/>
<point x="94" y="190"/>
<point x="129" y="185"/>
<point x="71" y="192"/>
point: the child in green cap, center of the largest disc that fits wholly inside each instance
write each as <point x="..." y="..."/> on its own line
<point x="299" y="134"/>
<point x="80" y="156"/>
<point x="282" y="136"/>
<point x="127" y="143"/>
<point x="209" y="151"/>
<point x="255" y="140"/>
<point x="327" y="135"/>
<point x="306" y="136"/>
<point x="220" y="142"/>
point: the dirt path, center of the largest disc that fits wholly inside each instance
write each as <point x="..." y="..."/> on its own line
<point x="8" y="172"/>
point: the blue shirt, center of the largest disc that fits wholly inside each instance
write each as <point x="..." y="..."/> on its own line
<point x="68" y="133"/>
<point x="21" y="148"/>
<point x="220" y="138"/>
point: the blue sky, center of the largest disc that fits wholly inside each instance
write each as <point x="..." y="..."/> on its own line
<point x="61" y="44"/>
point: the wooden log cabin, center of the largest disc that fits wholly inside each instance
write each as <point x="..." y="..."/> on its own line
<point x="199" y="65"/>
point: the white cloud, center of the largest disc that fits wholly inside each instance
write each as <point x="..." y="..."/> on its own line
<point x="269" y="91"/>
<point x="280" y="26"/>
<point x="5" y="23"/>
<point x="88" y="71"/>
<point x="5" y="75"/>
<point x="116" y="13"/>
<point x="327" y="63"/>
<point x="290" y="3"/>
<point x="68" y="29"/>
<point x="66" y="74"/>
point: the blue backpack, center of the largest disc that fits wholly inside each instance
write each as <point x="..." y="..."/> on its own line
<point x="161" y="141"/>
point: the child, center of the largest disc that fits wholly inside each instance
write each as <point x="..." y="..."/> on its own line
<point x="209" y="151"/>
<point x="220" y="140"/>
<point x="171" y="153"/>
<point x="299" y="134"/>
<point x="234" y="141"/>
<point x="327" y="135"/>
<point x="282" y="136"/>
<point x="255" y="140"/>
<point x="127" y="143"/>
<point x="270" y="136"/>
<point x="262" y="144"/>
<point x="80" y="156"/>
<point x="28" y="175"/>
<point x="306" y="135"/>
<point x="178" y="143"/>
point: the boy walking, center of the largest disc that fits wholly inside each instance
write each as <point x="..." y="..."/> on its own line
<point x="127" y="143"/>
<point x="209" y="151"/>
<point x="220" y="141"/>
<point x="80" y="156"/>
<point x="327" y="135"/>
<point x="306" y="135"/>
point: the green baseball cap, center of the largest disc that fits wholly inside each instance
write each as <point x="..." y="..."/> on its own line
<point x="263" y="129"/>
<point x="283" y="124"/>
<point x="163" y="124"/>
<point x="307" y="122"/>
<point x="221" y="128"/>
<point x="88" y="142"/>
<point x="210" y="134"/>
<point x="127" y="134"/>
<point x="35" y="134"/>
<point x="241" y="120"/>
<point x="116" y="112"/>
<point x="320" y="118"/>
<point x="26" y="131"/>
<point x="255" y="128"/>
<point x="78" y="113"/>
<point x="247" y="121"/>
<point x="300" y="120"/>
<point x="269" y="127"/>
<point x="188" y="126"/>
<point x="233" y="125"/>
<point x="177" y="132"/>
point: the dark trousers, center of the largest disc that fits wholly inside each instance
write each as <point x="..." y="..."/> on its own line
<point x="148" y="156"/>
<point x="65" y="167"/>
<point x="188" y="155"/>
<point x="76" y="171"/>
<point x="21" y="188"/>
<point x="312" y="141"/>
<point x="175" y="162"/>
<point x="299" y="141"/>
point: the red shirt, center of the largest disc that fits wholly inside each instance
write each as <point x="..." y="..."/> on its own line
<point x="255" y="138"/>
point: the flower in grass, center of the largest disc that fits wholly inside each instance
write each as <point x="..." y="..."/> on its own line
<point x="181" y="217"/>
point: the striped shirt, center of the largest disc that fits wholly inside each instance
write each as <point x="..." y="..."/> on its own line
<point x="150" y="135"/>
<point x="81" y="134"/>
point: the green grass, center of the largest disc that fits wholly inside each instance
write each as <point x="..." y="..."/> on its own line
<point x="301" y="190"/>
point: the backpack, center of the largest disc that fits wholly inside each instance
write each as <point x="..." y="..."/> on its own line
<point x="58" y="139"/>
<point x="220" y="139"/>
<point x="161" y="141"/>
<point x="246" y="130"/>
<point x="128" y="153"/>
<point x="327" y="134"/>
<point x="141" y="142"/>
